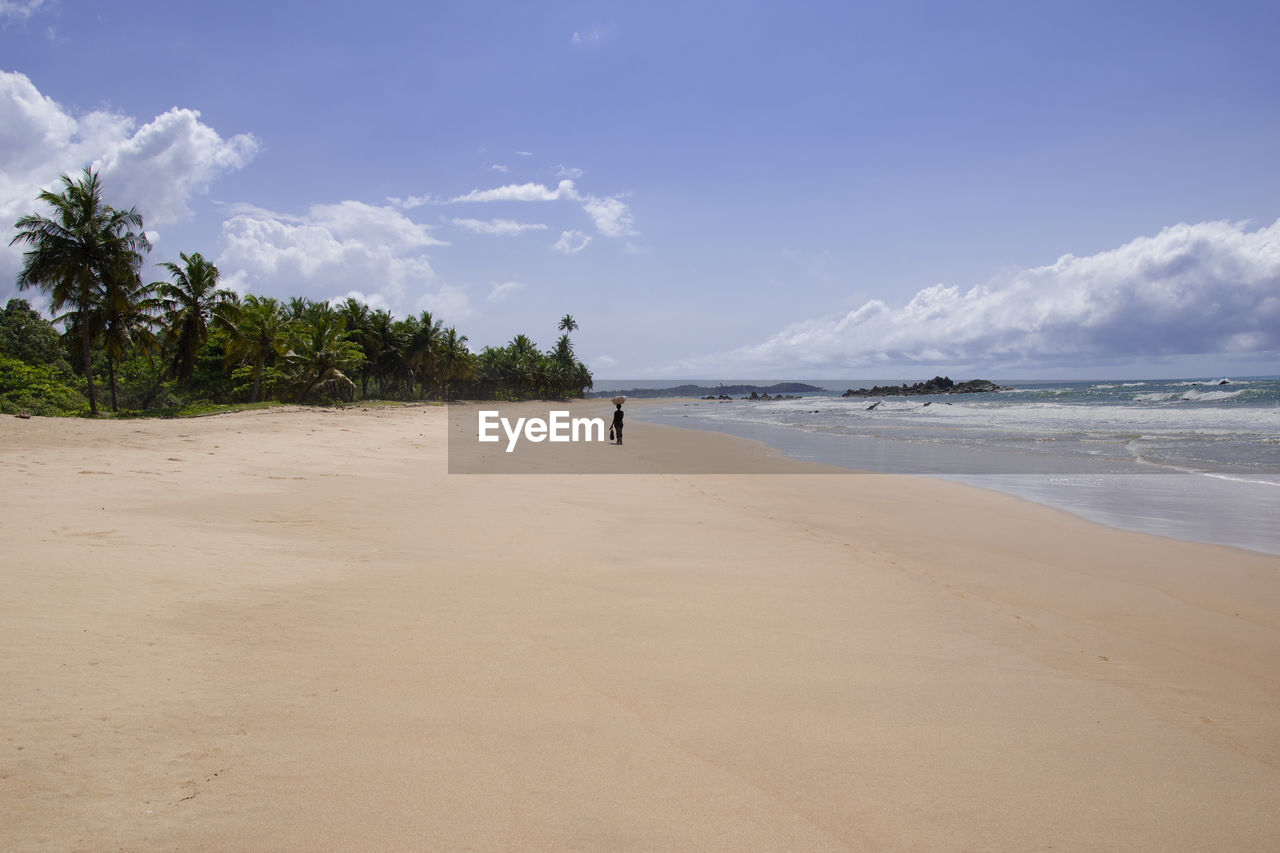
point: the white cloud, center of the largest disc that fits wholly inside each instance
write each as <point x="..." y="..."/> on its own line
<point x="410" y="202"/>
<point x="171" y="159"/>
<point x="604" y="362"/>
<point x="337" y="249"/>
<point x="571" y="242"/>
<point x="569" y="172"/>
<point x="375" y="300"/>
<point x="524" y="153"/>
<point x="522" y="192"/>
<point x="501" y="227"/>
<point x="446" y="302"/>
<point x="503" y="290"/>
<point x="19" y="10"/>
<point x="498" y="167"/>
<point x="1210" y="288"/>
<point x="611" y="216"/>
<point x="157" y="168"/>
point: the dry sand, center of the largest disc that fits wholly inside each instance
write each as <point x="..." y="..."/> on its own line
<point x="293" y="629"/>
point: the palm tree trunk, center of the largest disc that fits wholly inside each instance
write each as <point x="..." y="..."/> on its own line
<point x="309" y="387"/>
<point x="111" y="375"/>
<point x="88" y="365"/>
<point x="257" y="378"/>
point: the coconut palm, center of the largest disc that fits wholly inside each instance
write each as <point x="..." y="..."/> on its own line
<point x="384" y="347"/>
<point x="319" y="352"/>
<point x="126" y="316"/>
<point x="72" y="253"/>
<point x="454" y="361"/>
<point x="582" y="380"/>
<point x="563" y="352"/>
<point x="296" y="307"/>
<point x="359" y="318"/>
<point x="568" y="324"/>
<point x="523" y="366"/>
<point x="257" y="329"/>
<point x="189" y="302"/>
<point x="423" y="347"/>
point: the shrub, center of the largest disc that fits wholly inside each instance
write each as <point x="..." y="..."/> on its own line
<point x="38" y="390"/>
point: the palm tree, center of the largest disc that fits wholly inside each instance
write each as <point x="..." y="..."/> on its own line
<point x="295" y="308"/>
<point x="456" y="363"/>
<point x="563" y="353"/>
<point x="582" y="379"/>
<point x="127" y="315"/>
<point x="320" y="353"/>
<point x="257" y="331"/>
<point x="358" y="318"/>
<point x="423" y="347"/>
<point x="522" y="364"/>
<point x="189" y="302"/>
<point x="568" y="324"/>
<point x="384" y="347"/>
<point x="73" y="253"/>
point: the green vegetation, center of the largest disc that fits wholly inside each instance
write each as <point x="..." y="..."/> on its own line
<point x="36" y="389"/>
<point x="187" y="346"/>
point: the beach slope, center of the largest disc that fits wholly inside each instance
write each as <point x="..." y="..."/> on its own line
<point x="293" y="629"/>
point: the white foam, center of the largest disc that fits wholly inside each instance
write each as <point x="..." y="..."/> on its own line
<point x="1197" y="396"/>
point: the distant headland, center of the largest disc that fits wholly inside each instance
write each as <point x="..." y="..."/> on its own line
<point x="780" y="388"/>
<point x="936" y="385"/>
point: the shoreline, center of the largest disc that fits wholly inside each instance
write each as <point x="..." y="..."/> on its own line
<point x="1209" y="509"/>
<point x="293" y="628"/>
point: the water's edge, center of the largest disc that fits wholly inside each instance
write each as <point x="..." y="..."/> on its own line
<point x="1205" y="508"/>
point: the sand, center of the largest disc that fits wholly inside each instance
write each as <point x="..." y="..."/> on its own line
<point x="292" y="629"/>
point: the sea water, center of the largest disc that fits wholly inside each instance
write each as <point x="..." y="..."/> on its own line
<point x="1195" y="459"/>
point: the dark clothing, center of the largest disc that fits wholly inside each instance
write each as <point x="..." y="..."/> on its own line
<point x="617" y="424"/>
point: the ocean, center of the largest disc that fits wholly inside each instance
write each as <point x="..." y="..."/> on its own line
<point x="1194" y="459"/>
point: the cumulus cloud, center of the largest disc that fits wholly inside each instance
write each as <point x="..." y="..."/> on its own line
<point x="349" y="247"/>
<point x="169" y="160"/>
<point x="522" y="192"/>
<point x="1209" y="288"/>
<point x="157" y="168"/>
<point x="503" y="290"/>
<point x="571" y="242"/>
<point x="501" y="227"/>
<point x="611" y="216"/>
<point x="376" y="301"/>
<point x="446" y="302"/>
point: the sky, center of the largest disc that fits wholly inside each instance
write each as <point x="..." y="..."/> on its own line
<point x="714" y="190"/>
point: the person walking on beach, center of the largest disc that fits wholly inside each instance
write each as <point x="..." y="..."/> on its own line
<point x="617" y="423"/>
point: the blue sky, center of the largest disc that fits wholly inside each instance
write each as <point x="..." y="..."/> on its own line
<point x="714" y="190"/>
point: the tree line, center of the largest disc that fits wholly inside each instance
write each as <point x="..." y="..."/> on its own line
<point x="188" y="341"/>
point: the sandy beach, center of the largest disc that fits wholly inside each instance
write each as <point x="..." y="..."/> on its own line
<point x="294" y="629"/>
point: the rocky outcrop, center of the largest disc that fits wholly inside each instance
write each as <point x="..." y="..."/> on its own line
<point x="936" y="385"/>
